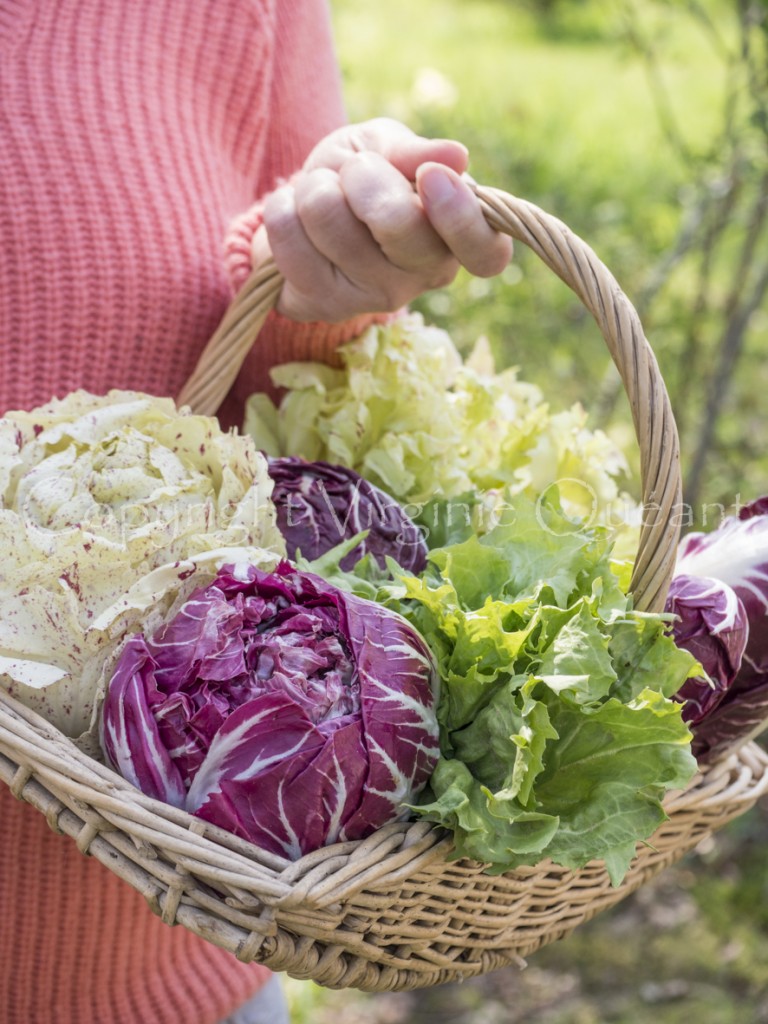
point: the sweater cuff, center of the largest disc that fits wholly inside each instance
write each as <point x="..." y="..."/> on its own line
<point x="238" y="242"/>
<point x="317" y="341"/>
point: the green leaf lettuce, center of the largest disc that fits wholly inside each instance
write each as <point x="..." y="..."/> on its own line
<point x="559" y="737"/>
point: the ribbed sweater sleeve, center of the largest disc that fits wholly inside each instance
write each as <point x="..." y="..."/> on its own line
<point x="133" y="134"/>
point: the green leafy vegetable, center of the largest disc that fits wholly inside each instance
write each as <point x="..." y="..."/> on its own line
<point x="558" y="735"/>
<point x="442" y="436"/>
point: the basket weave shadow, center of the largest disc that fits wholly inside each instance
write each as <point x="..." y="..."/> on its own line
<point x="392" y="911"/>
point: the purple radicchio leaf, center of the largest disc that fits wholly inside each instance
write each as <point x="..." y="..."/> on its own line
<point x="132" y="727"/>
<point x="758" y="507"/>
<point x="319" y="505"/>
<point x="278" y="707"/>
<point x="711" y="624"/>
<point x="737" y="554"/>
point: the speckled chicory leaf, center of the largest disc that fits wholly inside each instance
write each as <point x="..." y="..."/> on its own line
<point x="110" y="508"/>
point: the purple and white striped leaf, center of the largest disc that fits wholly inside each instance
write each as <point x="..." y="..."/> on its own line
<point x="711" y="624"/>
<point x="292" y="713"/>
<point x="737" y="554"/>
<point x="131" y="736"/>
<point x="319" y="505"/>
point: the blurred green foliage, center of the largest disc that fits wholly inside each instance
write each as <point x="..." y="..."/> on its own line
<point x="638" y="125"/>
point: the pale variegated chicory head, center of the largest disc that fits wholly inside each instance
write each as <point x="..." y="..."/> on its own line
<point x="111" y="508"/>
<point x="413" y="418"/>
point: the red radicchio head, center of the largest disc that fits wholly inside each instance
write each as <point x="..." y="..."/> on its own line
<point x="278" y="707"/>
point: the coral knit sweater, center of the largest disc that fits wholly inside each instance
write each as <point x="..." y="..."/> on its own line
<point x="133" y="135"/>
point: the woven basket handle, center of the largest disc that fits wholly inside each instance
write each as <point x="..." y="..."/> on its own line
<point x="577" y="265"/>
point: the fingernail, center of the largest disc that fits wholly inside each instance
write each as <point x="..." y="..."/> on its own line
<point x="454" y="144"/>
<point x="436" y="184"/>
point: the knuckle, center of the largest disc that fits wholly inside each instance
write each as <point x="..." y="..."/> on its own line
<point x="279" y="215"/>
<point x="375" y="128"/>
<point x="392" y="222"/>
<point x="319" y="200"/>
<point x="444" y="275"/>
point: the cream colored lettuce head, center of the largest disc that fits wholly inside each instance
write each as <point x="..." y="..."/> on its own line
<point x="112" y="508"/>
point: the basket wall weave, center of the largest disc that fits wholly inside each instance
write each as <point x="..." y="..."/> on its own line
<point x="389" y="912"/>
<point x="392" y="911"/>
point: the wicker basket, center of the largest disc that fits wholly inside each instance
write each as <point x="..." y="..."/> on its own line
<point x="392" y="911"/>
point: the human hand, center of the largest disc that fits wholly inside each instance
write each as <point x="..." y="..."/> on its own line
<point x="376" y="216"/>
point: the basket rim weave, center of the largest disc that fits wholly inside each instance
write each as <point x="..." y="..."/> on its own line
<point x="389" y="912"/>
<point x="394" y="910"/>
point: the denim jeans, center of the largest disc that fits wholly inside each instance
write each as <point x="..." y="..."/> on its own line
<point x="268" y="1006"/>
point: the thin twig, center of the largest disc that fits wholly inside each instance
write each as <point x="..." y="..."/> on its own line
<point x="730" y="350"/>
<point x="722" y="209"/>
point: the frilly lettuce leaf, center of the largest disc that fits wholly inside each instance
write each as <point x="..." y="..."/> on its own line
<point x="558" y="735"/>
<point x="407" y="413"/>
